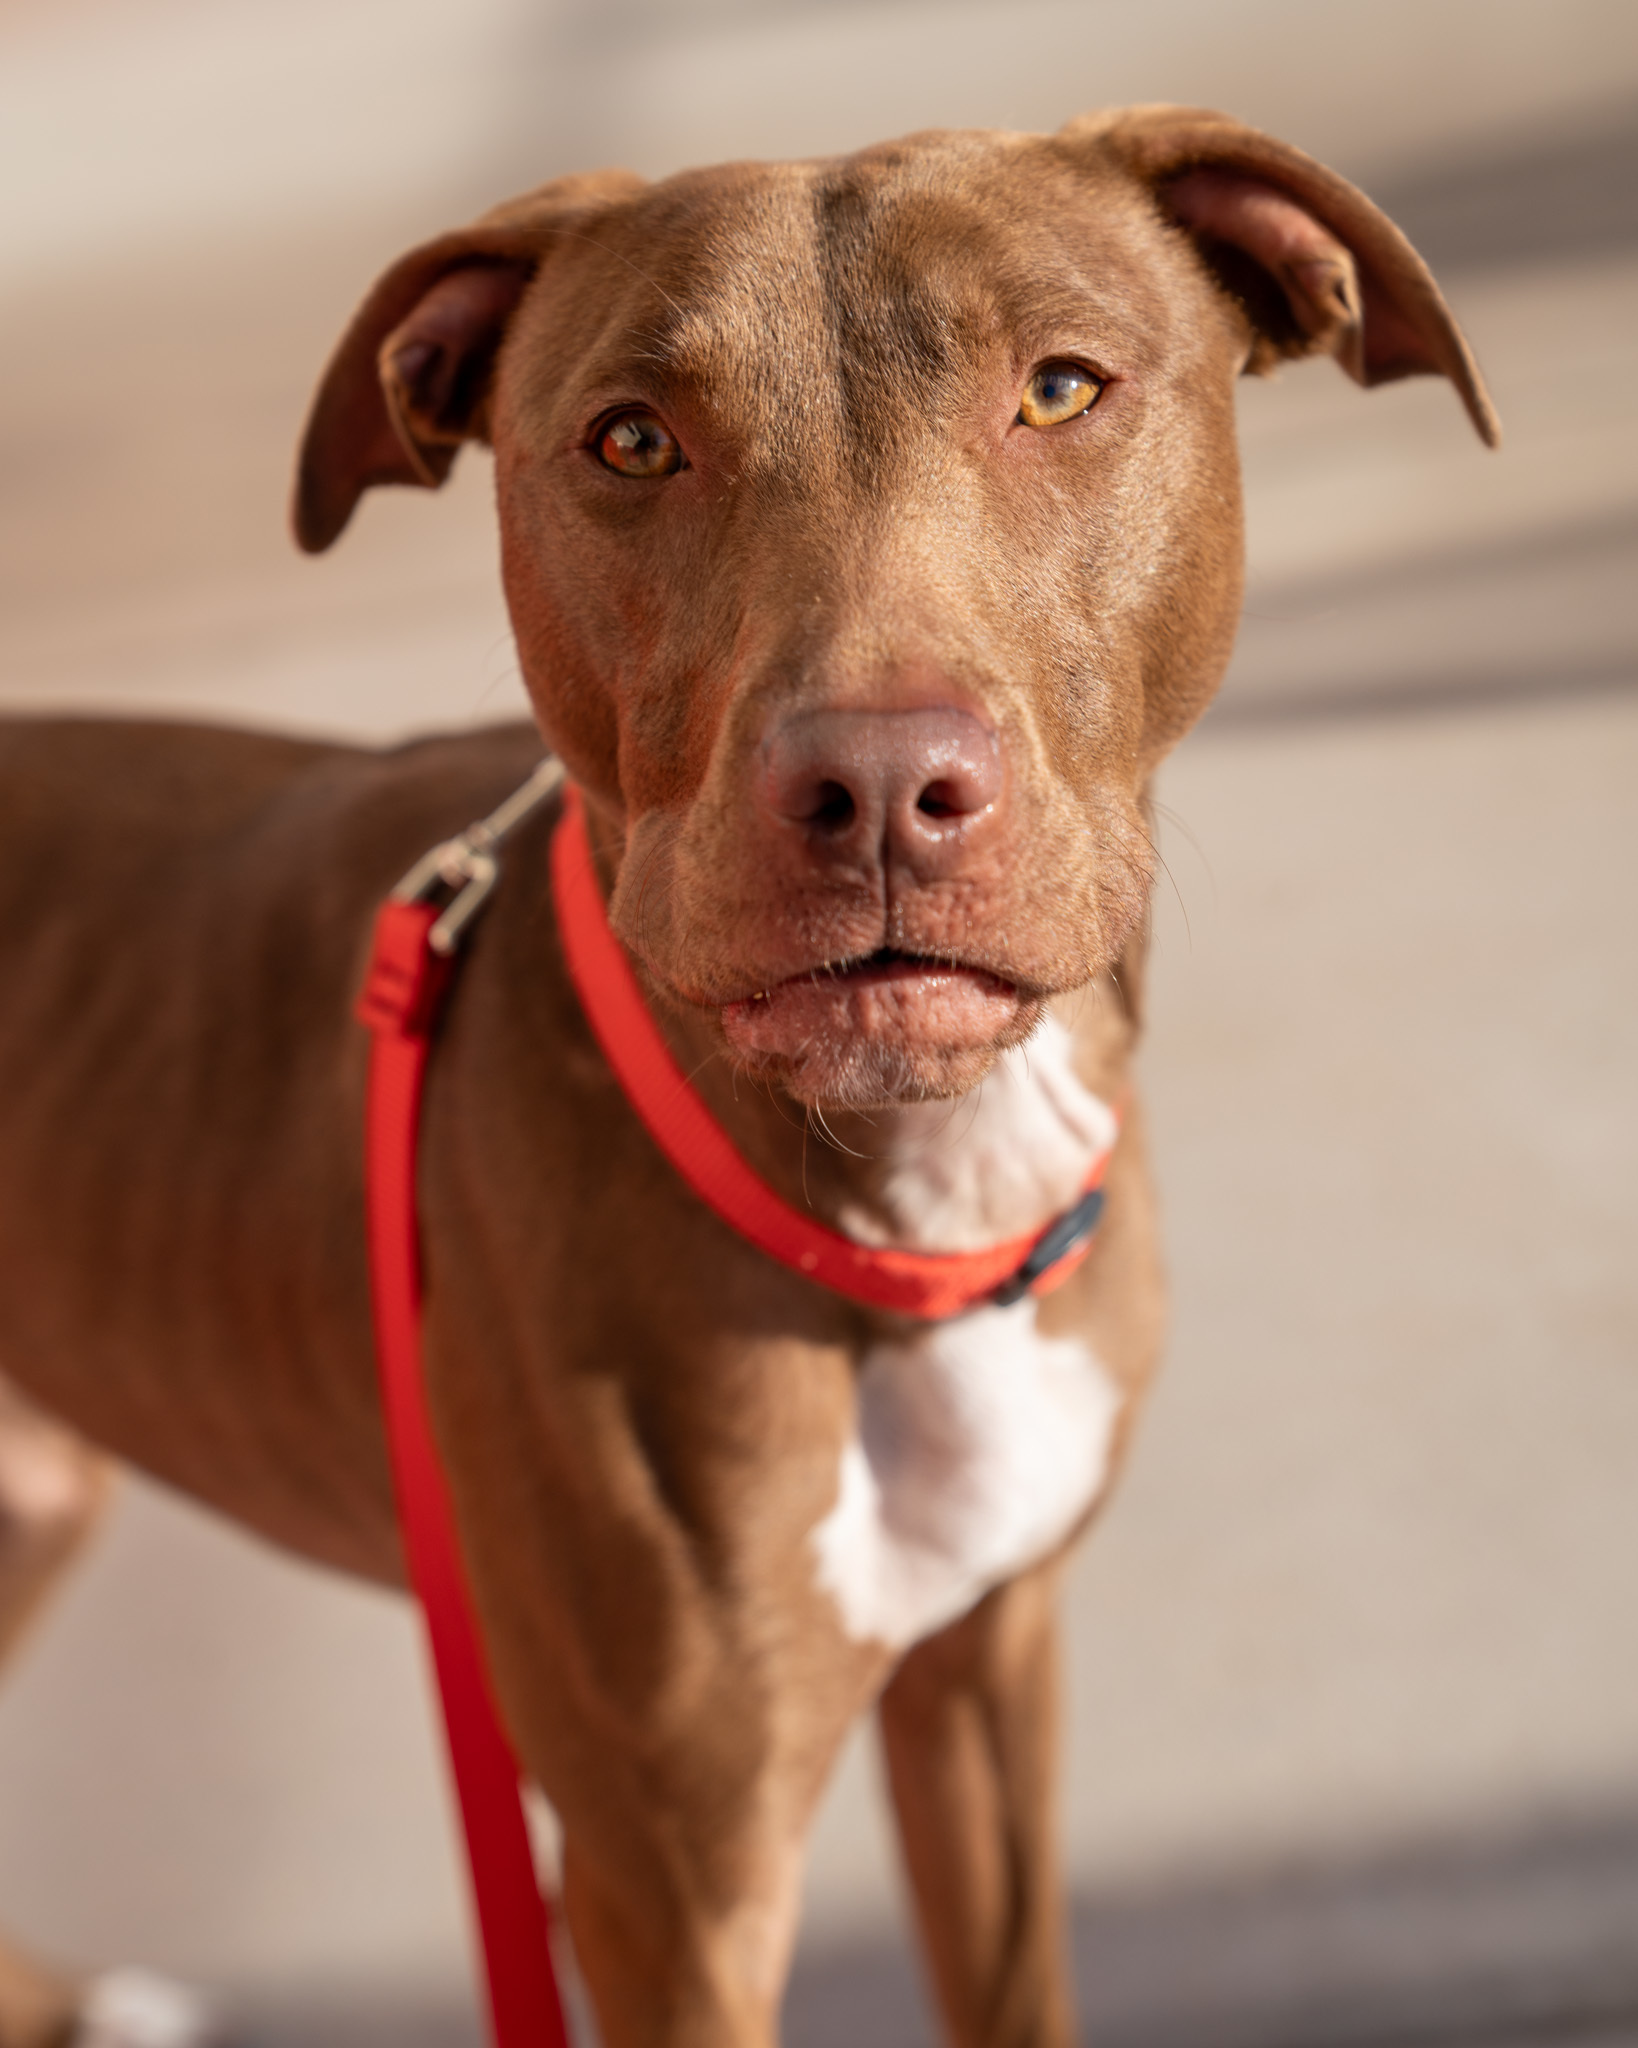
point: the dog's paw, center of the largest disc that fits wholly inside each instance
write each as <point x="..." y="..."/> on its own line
<point x="138" y="2009"/>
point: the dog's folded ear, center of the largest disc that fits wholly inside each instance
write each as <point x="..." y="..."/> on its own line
<point x="1317" y="267"/>
<point x="410" y="378"/>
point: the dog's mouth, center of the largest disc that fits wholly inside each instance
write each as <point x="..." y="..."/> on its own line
<point x="917" y="1002"/>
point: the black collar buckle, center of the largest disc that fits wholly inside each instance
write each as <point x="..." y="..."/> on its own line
<point x="1070" y="1231"/>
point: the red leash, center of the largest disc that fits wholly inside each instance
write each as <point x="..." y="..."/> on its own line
<point x="410" y="967"/>
<point x="412" y="960"/>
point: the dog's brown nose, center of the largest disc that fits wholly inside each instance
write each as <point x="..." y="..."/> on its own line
<point x="888" y="786"/>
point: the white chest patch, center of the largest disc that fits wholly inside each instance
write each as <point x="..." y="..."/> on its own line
<point x="980" y="1445"/>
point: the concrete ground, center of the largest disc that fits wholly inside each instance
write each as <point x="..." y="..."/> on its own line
<point x="1353" y="1674"/>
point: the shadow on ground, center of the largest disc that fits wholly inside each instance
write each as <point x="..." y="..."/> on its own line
<point x="1507" y="1943"/>
<point x="1519" y="1941"/>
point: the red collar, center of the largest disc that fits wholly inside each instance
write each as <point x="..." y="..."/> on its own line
<point x="926" y="1284"/>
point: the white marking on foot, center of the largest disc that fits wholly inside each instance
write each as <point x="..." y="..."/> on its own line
<point x="139" y="2009"/>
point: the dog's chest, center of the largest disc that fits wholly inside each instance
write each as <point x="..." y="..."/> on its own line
<point x="979" y="1441"/>
<point x="979" y="1446"/>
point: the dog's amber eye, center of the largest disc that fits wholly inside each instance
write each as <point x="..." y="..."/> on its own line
<point x="1058" y="392"/>
<point x="637" y="444"/>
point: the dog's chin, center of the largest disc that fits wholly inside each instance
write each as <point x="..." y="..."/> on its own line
<point x="884" y="1032"/>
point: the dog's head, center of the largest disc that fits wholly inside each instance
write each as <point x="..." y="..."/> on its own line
<point x="871" y="528"/>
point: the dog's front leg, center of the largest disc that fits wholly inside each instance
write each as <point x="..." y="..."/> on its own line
<point x="664" y="1964"/>
<point x="682" y="1864"/>
<point x="969" y="1730"/>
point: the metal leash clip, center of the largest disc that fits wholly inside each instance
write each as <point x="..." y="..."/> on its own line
<point x="468" y="865"/>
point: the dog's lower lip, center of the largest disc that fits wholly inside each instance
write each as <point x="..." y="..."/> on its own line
<point x="877" y="970"/>
<point x="914" y="1002"/>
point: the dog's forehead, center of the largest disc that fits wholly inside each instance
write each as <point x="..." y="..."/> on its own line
<point x="916" y="256"/>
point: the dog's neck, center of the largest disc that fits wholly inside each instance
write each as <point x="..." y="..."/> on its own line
<point x="997" y="1163"/>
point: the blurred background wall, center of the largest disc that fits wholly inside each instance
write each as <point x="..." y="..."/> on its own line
<point x="1354" y="1670"/>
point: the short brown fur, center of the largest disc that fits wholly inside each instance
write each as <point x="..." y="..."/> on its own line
<point x="641" y="1417"/>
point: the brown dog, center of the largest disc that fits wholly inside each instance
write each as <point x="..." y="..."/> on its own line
<point x="871" y="531"/>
